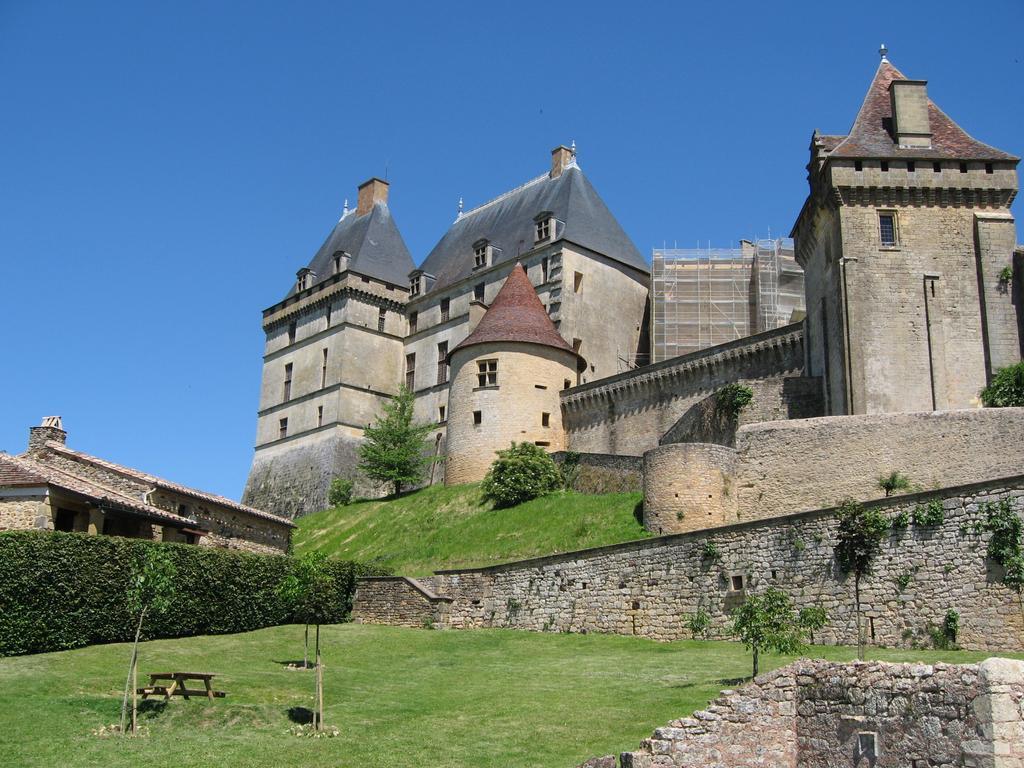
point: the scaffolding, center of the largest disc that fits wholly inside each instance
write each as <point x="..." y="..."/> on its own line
<point x="708" y="296"/>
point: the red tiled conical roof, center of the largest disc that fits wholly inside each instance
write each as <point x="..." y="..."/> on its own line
<point x="517" y="315"/>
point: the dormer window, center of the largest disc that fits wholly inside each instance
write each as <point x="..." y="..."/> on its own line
<point x="340" y="262"/>
<point x="542" y="227"/>
<point x="415" y="284"/>
<point x="304" y="278"/>
<point x="481" y="254"/>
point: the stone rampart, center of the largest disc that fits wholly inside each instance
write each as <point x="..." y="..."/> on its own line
<point x="650" y="587"/>
<point x="688" y="487"/>
<point x="628" y="413"/>
<point x="602" y="472"/>
<point x="815" y="714"/>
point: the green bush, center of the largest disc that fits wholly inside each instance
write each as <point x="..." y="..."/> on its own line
<point x="1006" y="389"/>
<point x="340" y="492"/>
<point x="520" y="473"/>
<point x="66" y="590"/>
<point x="733" y="398"/>
<point x="930" y="514"/>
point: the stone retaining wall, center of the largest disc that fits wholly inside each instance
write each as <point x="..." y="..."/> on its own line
<point x="650" y="587"/>
<point x="398" y="602"/>
<point x="604" y="472"/>
<point x="817" y="714"/>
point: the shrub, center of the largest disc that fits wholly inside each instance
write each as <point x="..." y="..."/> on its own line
<point x="1005" y="545"/>
<point x="944" y="637"/>
<point x="1006" y="275"/>
<point x="708" y="551"/>
<point x="340" y="492"/>
<point x="66" y="590"/>
<point x="520" y="473"/>
<point x="900" y="520"/>
<point x="930" y="514"/>
<point x="570" y="470"/>
<point x="1006" y="389"/>
<point x="699" y="623"/>
<point x="733" y="398"/>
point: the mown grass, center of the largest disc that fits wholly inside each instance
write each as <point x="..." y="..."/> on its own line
<point x="402" y="698"/>
<point x="440" y="527"/>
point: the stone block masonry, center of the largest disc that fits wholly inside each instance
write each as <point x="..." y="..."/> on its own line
<point x="397" y="601"/>
<point x="650" y="587"/>
<point x="817" y="714"/>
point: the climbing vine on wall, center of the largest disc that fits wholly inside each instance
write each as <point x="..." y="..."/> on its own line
<point x="1005" y="545"/>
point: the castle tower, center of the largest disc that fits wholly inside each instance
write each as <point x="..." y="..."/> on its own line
<point x="505" y="380"/>
<point x="905" y="239"/>
<point x="333" y="356"/>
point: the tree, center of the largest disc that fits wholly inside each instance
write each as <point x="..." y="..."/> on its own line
<point x="340" y="492"/>
<point x="150" y="590"/>
<point x="860" y="538"/>
<point x="520" y="473"/>
<point x="1006" y="389"/>
<point x="395" y="449"/>
<point x="767" y="622"/>
<point x="311" y="593"/>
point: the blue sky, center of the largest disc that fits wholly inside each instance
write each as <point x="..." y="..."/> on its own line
<point x="167" y="167"/>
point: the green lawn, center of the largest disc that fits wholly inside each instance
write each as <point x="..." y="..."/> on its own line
<point x="401" y="698"/>
<point x="440" y="527"/>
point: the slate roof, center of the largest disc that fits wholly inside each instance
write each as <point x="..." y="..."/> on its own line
<point x="373" y="243"/>
<point x="871" y="135"/>
<point x="161" y="483"/>
<point x="507" y="222"/>
<point x="20" y="471"/>
<point x="516" y="314"/>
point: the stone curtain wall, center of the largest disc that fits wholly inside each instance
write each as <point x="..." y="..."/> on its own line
<point x="789" y="466"/>
<point x="627" y="414"/>
<point x="604" y="473"/>
<point x="816" y="714"/>
<point x="650" y="587"/>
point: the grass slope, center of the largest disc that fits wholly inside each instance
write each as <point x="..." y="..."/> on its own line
<point x="440" y="527"/>
<point x="402" y="698"/>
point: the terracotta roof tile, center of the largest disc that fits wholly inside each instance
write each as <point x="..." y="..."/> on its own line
<point x="517" y="315"/>
<point x="871" y="135"/>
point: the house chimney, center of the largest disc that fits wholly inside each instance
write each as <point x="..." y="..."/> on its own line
<point x="910" y="124"/>
<point x="370" y="193"/>
<point x="561" y="157"/>
<point x="51" y="428"/>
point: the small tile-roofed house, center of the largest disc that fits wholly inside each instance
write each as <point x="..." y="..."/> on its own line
<point x="52" y="487"/>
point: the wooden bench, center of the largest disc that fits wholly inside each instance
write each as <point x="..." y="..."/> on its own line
<point x="178" y="685"/>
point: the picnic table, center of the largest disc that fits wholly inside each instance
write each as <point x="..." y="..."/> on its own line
<point x="176" y="684"/>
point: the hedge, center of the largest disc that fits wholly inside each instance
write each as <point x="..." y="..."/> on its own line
<point x="66" y="590"/>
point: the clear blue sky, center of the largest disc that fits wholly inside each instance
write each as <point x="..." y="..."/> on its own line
<point x="166" y="167"/>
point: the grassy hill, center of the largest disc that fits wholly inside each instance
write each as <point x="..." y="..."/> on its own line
<point x="441" y="527"/>
<point x="401" y="698"/>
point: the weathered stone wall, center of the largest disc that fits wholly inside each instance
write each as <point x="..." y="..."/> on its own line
<point x="774" y="399"/>
<point x="24" y="514"/>
<point x="788" y="466"/>
<point x="817" y="714"/>
<point x="398" y="602"/>
<point x="650" y="587"/>
<point x="228" y="528"/>
<point x="689" y="487"/>
<point x="604" y="472"/>
<point x="628" y="413"/>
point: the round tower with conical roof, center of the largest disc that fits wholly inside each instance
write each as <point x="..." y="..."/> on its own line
<point x="505" y="382"/>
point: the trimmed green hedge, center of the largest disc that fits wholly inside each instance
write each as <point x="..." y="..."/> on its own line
<point x="66" y="590"/>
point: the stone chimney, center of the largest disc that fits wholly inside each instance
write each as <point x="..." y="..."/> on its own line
<point x="477" y="310"/>
<point x="561" y="157"/>
<point x="371" y="192"/>
<point x="910" y="124"/>
<point x="51" y="428"/>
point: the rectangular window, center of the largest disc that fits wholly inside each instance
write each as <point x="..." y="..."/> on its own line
<point x="540" y="386"/>
<point x="737" y="583"/>
<point x="291" y="333"/>
<point x="441" y="413"/>
<point x="885" y="166"/>
<point x="329" y="307"/>
<point x="410" y="371"/>
<point x="545" y="419"/>
<point x="911" y="167"/>
<point x="566" y="384"/>
<point x="480" y="256"/>
<point x="478" y="292"/>
<point x="287" y="382"/>
<point x="545" y="269"/>
<point x="323" y="371"/>
<point x="282" y="428"/>
<point x="478" y="417"/>
<point x="989" y="168"/>
<point x="543" y="230"/>
<point x="858" y="165"/>
<point x="319" y="415"/>
<point x="446" y="310"/>
<point x="414" y="287"/>
<point x="937" y="167"/>
<point x="887" y="228"/>
<point x="442" y="362"/>
<point x="487" y="373"/>
<point x="963" y="167"/>
<point x="542" y="443"/>
<point x="414" y="321"/>
<point x="577" y="281"/>
<point x="381" y="317"/>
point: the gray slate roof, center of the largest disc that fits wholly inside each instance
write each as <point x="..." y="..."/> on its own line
<point x="373" y="243"/>
<point x="507" y="222"/>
